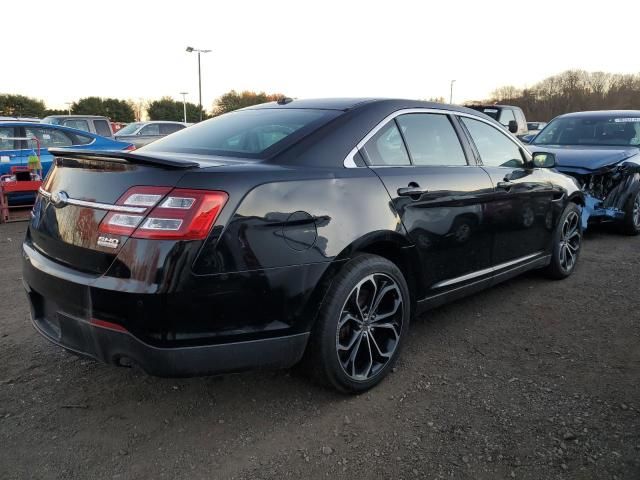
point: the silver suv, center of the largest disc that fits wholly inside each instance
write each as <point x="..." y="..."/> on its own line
<point x="89" y="123"/>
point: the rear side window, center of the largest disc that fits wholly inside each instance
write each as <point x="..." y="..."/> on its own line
<point x="6" y="138"/>
<point x="168" y="128"/>
<point x="245" y="133"/>
<point x="77" y="123"/>
<point x="386" y="147"/>
<point x="49" y="137"/>
<point x="431" y="139"/>
<point x="495" y="148"/>
<point x="102" y="128"/>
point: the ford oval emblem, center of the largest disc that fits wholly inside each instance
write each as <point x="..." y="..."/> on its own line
<point x="59" y="199"/>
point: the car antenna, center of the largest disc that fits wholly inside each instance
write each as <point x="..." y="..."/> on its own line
<point x="284" y="100"/>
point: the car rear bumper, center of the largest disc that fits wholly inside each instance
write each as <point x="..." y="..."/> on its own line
<point x="121" y="348"/>
<point x="65" y="303"/>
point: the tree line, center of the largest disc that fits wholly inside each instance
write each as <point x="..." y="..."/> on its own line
<point x="126" y="111"/>
<point x="573" y="91"/>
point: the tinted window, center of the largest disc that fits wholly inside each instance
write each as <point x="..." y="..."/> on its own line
<point x="386" y="147"/>
<point x="79" y="139"/>
<point x="495" y="148"/>
<point x="431" y="139"/>
<point x="49" y="137"/>
<point x="246" y="133"/>
<point x="76" y="123"/>
<point x="506" y="116"/>
<point x="614" y="130"/>
<point x="6" y="133"/>
<point x="151" y="129"/>
<point x="168" y="128"/>
<point x="102" y="128"/>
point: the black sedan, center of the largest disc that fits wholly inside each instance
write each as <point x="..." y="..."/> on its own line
<point x="291" y="231"/>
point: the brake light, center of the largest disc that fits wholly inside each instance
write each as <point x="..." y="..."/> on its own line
<point x="184" y="214"/>
<point x="163" y="213"/>
<point x="129" y="148"/>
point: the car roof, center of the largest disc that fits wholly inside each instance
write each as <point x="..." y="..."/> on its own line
<point x="603" y="114"/>
<point x="347" y="104"/>
<point x="76" y="116"/>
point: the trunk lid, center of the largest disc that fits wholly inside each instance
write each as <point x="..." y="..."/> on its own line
<point x="82" y="189"/>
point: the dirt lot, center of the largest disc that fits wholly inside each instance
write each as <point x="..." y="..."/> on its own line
<point x="530" y="380"/>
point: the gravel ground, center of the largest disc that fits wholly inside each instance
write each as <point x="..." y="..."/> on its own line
<point x="532" y="380"/>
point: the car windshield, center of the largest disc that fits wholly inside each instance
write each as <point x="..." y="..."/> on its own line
<point x="245" y="133"/>
<point x="596" y="130"/>
<point x="129" y="129"/>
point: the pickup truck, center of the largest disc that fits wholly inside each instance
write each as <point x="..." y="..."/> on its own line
<point x="511" y="117"/>
<point x="89" y="123"/>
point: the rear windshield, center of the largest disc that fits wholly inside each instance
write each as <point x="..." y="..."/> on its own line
<point x="245" y="133"/>
<point x="597" y="130"/>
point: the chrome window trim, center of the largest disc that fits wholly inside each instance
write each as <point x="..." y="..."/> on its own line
<point x="349" y="161"/>
<point x="485" y="271"/>
<point x="97" y="205"/>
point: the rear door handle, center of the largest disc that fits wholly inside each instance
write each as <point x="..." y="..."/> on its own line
<point x="411" y="191"/>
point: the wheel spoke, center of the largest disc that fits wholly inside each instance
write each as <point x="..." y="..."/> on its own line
<point x="352" y="341"/>
<point x="379" y="350"/>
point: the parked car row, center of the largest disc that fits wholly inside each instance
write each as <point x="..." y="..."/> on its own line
<point x="291" y="231"/>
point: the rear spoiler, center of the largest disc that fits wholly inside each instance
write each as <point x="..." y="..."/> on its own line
<point x="123" y="156"/>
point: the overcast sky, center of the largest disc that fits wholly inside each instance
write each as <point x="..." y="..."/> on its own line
<point x="63" y="50"/>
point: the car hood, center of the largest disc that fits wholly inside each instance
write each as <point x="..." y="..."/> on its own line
<point x="586" y="158"/>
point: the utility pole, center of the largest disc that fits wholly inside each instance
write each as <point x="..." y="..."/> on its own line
<point x="451" y="91"/>
<point x="199" y="51"/>
<point x="184" y="104"/>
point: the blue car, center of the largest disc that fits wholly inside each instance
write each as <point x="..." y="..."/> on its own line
<point x="601" y="150"/>
<point x="15" y="150"/>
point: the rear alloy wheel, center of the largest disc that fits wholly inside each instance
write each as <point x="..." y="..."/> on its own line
<point x="567" y="241"/>
<point x="631" y="222"/>
<point x="361" y="325"/>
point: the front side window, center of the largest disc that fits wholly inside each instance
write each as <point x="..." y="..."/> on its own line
<point x="102" y="128"/>
<point x="386" y="147"/>
<point x="431" y="139"/>
<point x="49" y="137"/>
<point x="129" y="129"/>
<point x="494" y="147"/>
<point x="151" y="129"/>
<point x="77" y="124"/>
<point x="506" y="116"/>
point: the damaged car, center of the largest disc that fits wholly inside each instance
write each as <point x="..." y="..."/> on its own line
<point x="601" y="151"/>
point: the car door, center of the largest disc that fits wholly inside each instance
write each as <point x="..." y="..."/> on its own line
<point x="520" y="213"/>
<point x="10" y="152"/>
<point x="439" y="196"/>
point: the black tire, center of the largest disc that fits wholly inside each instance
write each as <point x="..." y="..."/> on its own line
<point x="630" y="225"/>
<point x="327" y="351"/>
<point x="567" y="243"/>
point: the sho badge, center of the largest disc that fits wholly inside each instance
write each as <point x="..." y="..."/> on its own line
<point x="108" y="242"/>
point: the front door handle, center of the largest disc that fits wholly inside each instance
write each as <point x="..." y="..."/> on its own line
<point x="505" y="185"/>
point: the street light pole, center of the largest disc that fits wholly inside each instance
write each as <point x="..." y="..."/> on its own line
<point x="451" y="92"/>
<point x="199" y="51"/>
<point x="184" y="104"/>
<point x="68" y="104"/>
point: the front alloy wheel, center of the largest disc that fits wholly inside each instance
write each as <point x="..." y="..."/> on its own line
<point x="570" y="241"/>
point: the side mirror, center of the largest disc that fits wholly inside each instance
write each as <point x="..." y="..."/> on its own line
<point x="543" y="160"/>
<point x="513" y="126"/>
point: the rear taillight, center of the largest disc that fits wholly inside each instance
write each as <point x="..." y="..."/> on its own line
<point x="129" y="148"/>
<point x="179" y="214"/>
